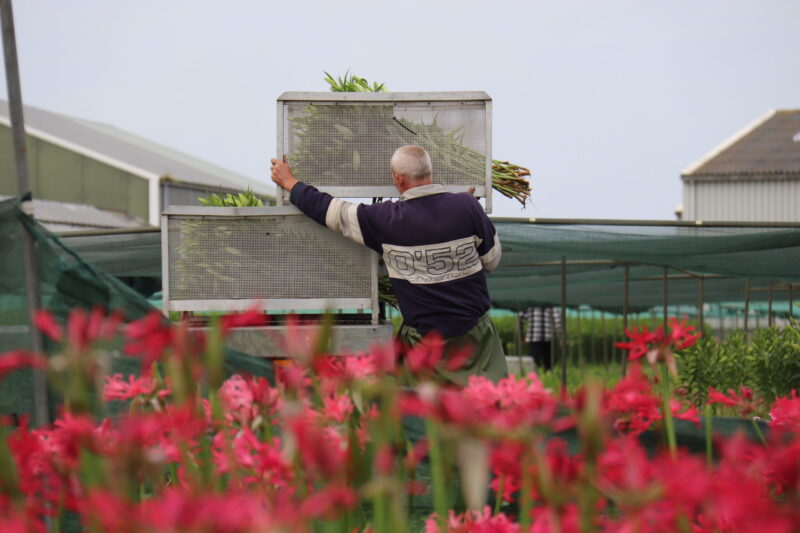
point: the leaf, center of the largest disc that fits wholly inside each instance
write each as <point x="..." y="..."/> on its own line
<point x="356" y="160"/>
<point x="343" y="130"/>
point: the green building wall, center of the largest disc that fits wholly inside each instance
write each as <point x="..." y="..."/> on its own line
<point x="62" y="175"/>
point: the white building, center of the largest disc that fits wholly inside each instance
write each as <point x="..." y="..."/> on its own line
<point x="753" y="176"/>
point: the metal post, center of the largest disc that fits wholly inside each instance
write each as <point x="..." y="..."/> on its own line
<point x="625" y="297"/>
<point x="605" y="339"/>
<point x="666" y="299"/>
<point x="770" y="322"/>
<point x="551" y="317"/>
<point x="518" y="329"/>
<point x="592" y="335"/>
<point x="29" y="258"/>
<point x="791" y="301"/>
<point x="564" y="350"/>
<point x="579" y="337"/>
<point x="746" y="304"/>
<point x="702" y="301"/>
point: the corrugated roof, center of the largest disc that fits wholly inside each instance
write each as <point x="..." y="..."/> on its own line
<point x="769" y="147"/>
<point x="62" y="217"/>
<point x="133" y="150"/>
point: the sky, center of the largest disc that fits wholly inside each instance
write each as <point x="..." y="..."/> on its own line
<point x="605" y="101"/>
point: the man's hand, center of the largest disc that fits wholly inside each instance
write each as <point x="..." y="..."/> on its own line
<point x="282" y="174"/>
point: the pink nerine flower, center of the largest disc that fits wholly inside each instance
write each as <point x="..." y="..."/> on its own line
<point x="474" y="522"/>
<point x="117" y="388"/>
<point x="337" y="407"/>
<point x="785" y="414"/>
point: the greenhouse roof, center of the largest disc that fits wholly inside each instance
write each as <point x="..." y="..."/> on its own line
<point x="62" y="217"/>
<point x="597" y="254"/>
<point x="111" y="144"/>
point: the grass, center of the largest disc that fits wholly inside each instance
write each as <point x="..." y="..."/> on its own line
<point x="577" y="375"/>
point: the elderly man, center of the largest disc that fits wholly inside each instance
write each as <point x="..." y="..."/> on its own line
<point x="437" y="247"/>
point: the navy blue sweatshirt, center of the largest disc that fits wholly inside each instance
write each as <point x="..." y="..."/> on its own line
<point x="437" y="247"/>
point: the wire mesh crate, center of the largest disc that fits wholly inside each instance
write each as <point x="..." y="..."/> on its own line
<point x="342" y="142"/>
<point x="229" y="259"/>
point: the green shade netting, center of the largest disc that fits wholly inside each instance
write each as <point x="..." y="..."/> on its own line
<point x="530" y="270"/>
<point x="66" y="281"/>
<point x="596" y="255"/>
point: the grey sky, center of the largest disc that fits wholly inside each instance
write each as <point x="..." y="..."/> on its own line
<point x="605" y="101"/>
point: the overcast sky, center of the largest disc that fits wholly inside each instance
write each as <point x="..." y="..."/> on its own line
<point x="605" y="101"/>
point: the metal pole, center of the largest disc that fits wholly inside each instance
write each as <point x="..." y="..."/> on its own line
<point x="625" y="297"/>
<point x="701" y="303"/>
<point x="592" y="335"/>
<point x="29" y="258"/>
<point x="14" y="98"/>
<point x="579" y="337"/>
<point x="791" y="301"/>
<point x="770" y="322"/>
<point x="746" y="304"/>
<point x="518" y="328"/>
<point x="551" y="317"/>
<point x="605" y="339"/>
<point x="666" y="298"/>
<point x="564" y="350"/>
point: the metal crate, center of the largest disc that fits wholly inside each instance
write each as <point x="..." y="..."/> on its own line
<point x="342" y="142"/>
<point x="229" y="259"/>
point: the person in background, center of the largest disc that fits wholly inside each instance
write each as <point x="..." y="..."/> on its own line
<point x="437" y="246"/>
<point x="538" y="326"/>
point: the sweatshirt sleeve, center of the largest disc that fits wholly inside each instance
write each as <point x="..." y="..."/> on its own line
<point x="489" y="248"/>
<point x="328" y="211"/>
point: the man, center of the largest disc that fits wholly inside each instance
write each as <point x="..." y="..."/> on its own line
<point x="538" y="326"/>
<point x="437" y="247"/>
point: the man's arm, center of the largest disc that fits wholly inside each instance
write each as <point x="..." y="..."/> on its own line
<point x="489" y="249"/>
<point x="334" y="213"/>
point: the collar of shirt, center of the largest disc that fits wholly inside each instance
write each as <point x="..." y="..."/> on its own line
<point x="422" y="190"/>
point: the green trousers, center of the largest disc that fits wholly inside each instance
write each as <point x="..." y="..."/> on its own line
<point x="487" y="359"/>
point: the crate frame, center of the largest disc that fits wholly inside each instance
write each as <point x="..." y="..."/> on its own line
<point x="287" y="305"/>
<point x="388" y="191"/>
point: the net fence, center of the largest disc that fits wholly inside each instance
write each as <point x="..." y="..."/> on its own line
<point x="66" y="281"/>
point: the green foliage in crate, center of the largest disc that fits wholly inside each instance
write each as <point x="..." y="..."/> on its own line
<point x="243" y="199"/>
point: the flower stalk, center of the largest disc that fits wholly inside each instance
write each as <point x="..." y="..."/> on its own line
<point x="669" y="424"/>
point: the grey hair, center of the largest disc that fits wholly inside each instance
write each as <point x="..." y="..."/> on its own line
<point x="413" y="162"/>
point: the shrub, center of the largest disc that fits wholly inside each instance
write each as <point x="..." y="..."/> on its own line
<point x="767" y="362"/>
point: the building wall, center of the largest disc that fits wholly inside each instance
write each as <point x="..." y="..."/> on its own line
<point x="742" y="200"/>
<point x="64" y="176"/>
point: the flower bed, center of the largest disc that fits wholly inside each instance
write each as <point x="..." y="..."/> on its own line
<point x="340" y="444"/>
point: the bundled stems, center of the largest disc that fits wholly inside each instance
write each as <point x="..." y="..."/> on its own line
<point x="510" y="180"/>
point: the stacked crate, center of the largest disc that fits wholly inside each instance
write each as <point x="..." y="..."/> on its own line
<point x="232" y="259"/>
